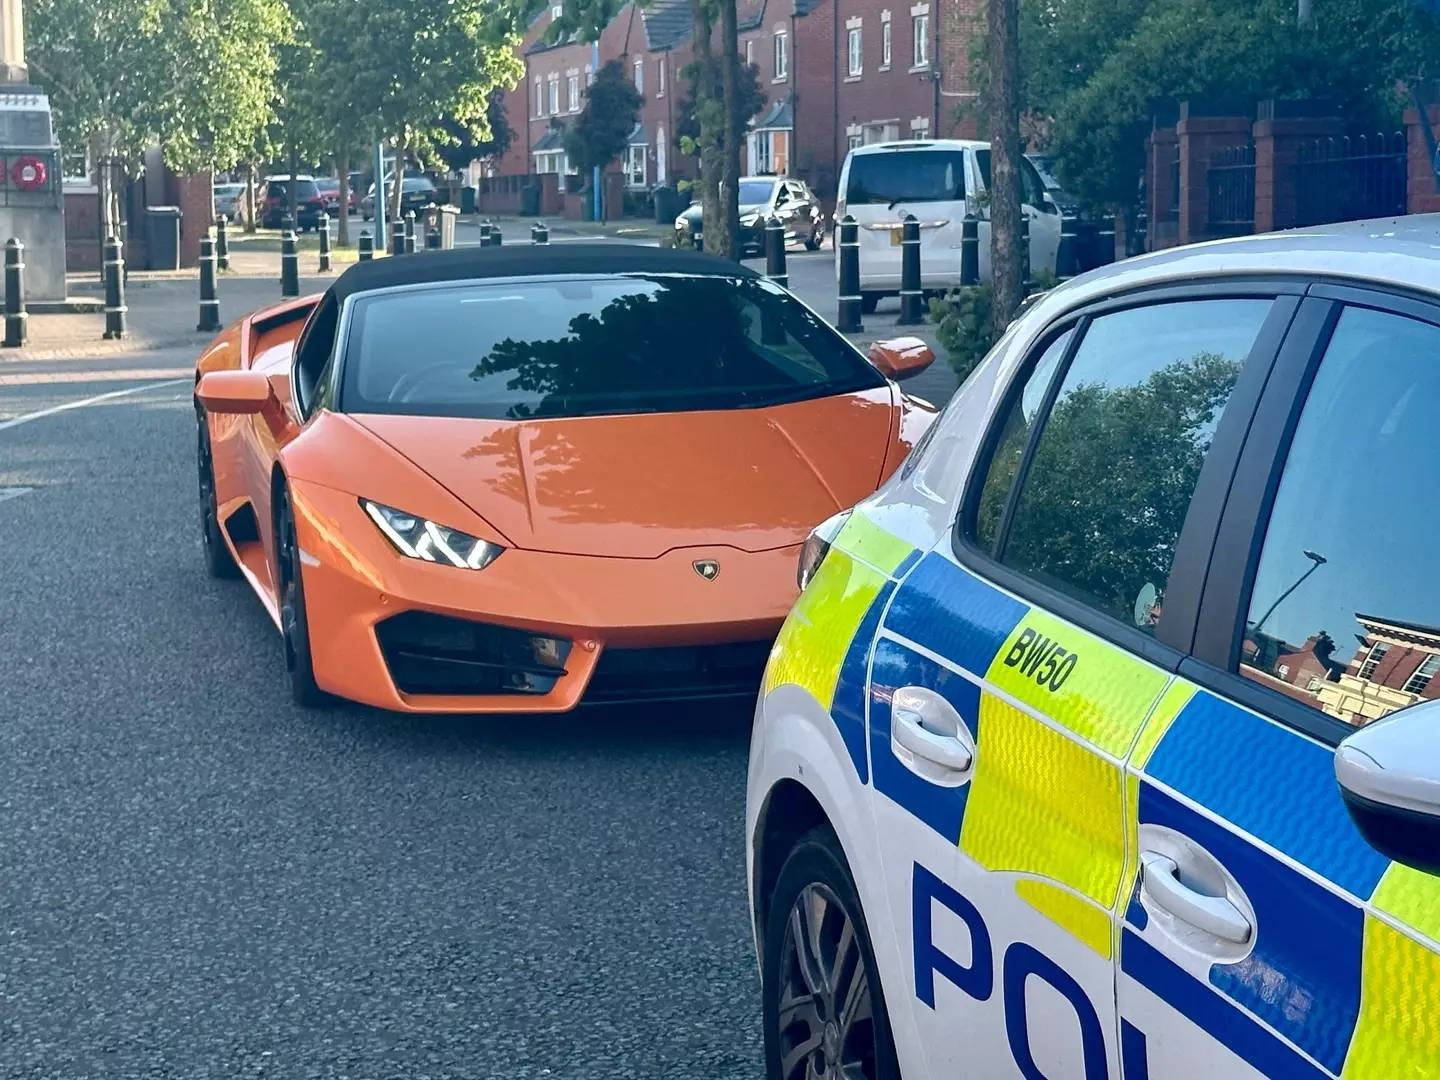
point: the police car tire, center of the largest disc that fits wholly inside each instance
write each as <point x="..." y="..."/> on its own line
<point x="818" y="859"/>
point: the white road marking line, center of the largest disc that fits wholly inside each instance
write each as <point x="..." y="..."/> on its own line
<point x="83" y="402"/>
<point x="11" y="492"/>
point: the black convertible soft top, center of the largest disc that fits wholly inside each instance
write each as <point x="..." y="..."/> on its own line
<point x="526" y="260"/>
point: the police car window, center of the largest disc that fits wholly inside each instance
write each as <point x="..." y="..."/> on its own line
<point x="1101" y="505"/>
<point x="1343" y="615"/>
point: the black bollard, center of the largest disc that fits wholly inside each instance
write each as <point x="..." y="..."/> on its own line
<point x="1105" y="239"/>
<point x="542" y="233"/>
<point x="367" y="246"/>
<point x="289" y="265"/>
<point x="912" y="296"/>
<point x="115" y="308"/>
<point x="324" y="230"/>
<point x="397" y="237"/>
<point x="432" y="240"/>
<point x="409" y="232"/>
<point x="485" y="227"/>
<point x="970" y="250"/>
<point x="849" y="277"/>
<point x="495" y="238"/>
<point x="222" y="244"/>
<point x="1024" y="255"/>
<point x="1137" y="237"/>
<point x="534" y="232"/>
<point x="17" y="329"/>
<point x="1067" y="257"/>
<point x="287" y="224"/>
<point x="209" y="303"/>
<point x="775" y="252"/>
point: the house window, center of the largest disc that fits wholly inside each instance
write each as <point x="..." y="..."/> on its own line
<point x="750" y="52"/>
<point x="75" y="167"/>
<point x="1377" y="653"/>
<point x="782" y="55"/>
<point x="660" y="77"/>
<point x="1423" y="674"/>
<point x="640" y="74"/>
<point x="556" y="11"/>
<point x="1313" y="685"/>
<point x="1283" y="671"/>
<point x="539" y="98"/>
<point x="922" y="40"/>
<point x="885" y="44"/>
<point x="572" y="90"/>
<point x="856" y="57"/>
<point x="635" y="166"/>
<point x="554" y="92"/>
<point x="856" y="140"/>
<point x="589" y="75"/>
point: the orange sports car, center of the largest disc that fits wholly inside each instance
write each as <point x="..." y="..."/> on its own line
<point x="513" y="479"/>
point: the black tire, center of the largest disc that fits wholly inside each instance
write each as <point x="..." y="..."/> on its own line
<point x="868" y="302"/>
<point x="855" y="1033"/>
<point x="294" y="623"/>
<point x="816" y="239"/>
<point x="219" y="563"/>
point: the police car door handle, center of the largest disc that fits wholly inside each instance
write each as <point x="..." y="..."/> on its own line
<point x="928" y="726"/>
<point x="1160" y="882"/>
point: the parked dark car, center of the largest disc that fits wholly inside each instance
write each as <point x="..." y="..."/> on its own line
<point x="1045" y="166"/>
<point x="416" y="193"/>
<point x="760" y="196"/>
<point x="309" y="203"/>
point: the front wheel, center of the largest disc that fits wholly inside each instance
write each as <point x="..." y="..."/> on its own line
<point x="869" y="301"/>
<point x="294" y="619"/>
<point x="816" y="239"/>
<point x="219" y="563"/>
<point x="822" y="1006"/>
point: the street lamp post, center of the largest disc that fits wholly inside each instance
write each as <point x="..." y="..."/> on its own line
<point x="1318" y="561"/>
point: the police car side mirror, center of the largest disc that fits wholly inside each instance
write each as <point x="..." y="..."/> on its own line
<point x="1389" y="774"/>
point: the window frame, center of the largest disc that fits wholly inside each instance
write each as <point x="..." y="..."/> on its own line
<point x="572" y="90"/>
<point x="552" y="93"/>
<point x="1169" y="646"/>
<point x="780" y="56"/>
<point x="854" y="51"/>
<point x="638" y="67"/>
<point x="886" y="37"/>
<point x="920" y="41"/>
<point x="1238" y="541"/>
<point x="1419" y="673"/>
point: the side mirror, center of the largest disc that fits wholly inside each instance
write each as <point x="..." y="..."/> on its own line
<point x="238" y="392"/>
<point x="900" y="358"/>
<point x="1389" y="774"/>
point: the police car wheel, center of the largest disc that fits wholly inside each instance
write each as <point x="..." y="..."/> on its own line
<point x="823" y="1008"/>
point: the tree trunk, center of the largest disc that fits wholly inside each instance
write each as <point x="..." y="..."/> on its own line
<point x="397" y="185"/>
<point x="730" y="163"/>
<point x="709" y="179"/>
<point x="251" y="216"/>
<point x="292" y="189"/>
<point x="342" y="166"/>
<point x="1003" y="53"/>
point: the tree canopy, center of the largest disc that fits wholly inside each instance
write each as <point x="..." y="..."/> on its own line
<point x="612" y="107"/>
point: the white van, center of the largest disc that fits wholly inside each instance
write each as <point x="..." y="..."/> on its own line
<point x="939" y="181"/>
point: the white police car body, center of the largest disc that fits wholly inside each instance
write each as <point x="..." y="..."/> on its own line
<point x="1043" y="781"/>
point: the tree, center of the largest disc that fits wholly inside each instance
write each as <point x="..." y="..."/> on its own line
<point x="601" y="131"/>
<point x="749" y="100"/>
<point x="466" y="143"/>
<point x="1003" y="50"/>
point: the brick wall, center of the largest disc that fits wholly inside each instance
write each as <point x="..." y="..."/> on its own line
<point x="659" y="113"/>
<point x="82" y="232"/>
<point x="818" y="152"/>
<point x="960" y="22"/>
<point x="887" y="101"/>
<point x="1420" y="175"/>
<point x="195" y="196"/>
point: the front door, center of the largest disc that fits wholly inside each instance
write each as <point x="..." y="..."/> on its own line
<point x="1265" y="936"/>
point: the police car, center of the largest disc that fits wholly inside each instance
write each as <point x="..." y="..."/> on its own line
<point x="1066" y="763"/>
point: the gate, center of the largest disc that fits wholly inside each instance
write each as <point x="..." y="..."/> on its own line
<point x="1350" y="179"/>
<point x="1231" y="180"/>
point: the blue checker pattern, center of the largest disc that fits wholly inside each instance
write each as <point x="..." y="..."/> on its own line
<point x="894" y="666"/>
<point x="848" y="707"/>
<point x="1270" y="782"/>
<point x="1302" y="976"/>
<point x="953" y="613"/>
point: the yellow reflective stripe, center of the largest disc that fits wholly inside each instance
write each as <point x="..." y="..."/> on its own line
<point x="1397" y="1036"/>
<point x="1099" y="692"/>
<point x="1177" y="696"/>
<point x="868" y="542"/>
<point x="1080" y="917"/>
<point x="817" y="632"/>
<point x="1411" y="897"/>
<point x="1042" y="803"/>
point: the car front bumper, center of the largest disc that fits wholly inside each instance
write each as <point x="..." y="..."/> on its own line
<point x="629" y="623"/>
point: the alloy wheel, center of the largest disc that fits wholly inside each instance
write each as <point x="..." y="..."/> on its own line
<point x="826" y="1022"/>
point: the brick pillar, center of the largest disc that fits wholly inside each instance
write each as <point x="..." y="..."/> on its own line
<point x="1162" y="227"/>
<point x="1201" y="136"/>
<point x="1277" y="151"/>
<point x="1422" y="196"/>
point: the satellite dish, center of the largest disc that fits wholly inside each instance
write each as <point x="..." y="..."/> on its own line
<point x="1145" y="604"/>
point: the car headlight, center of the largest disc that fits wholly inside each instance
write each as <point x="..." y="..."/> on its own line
<point x="418" y="538"/>
<point x="749" y="219"/>
<point x="817" y="546"/>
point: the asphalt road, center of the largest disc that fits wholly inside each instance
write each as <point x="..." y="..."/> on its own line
<point x="199" y="880"/>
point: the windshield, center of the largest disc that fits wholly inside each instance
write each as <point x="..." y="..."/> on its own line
<point x="756" y="192"/>
<point x="223" y="190"/>
<point x="592" y="347"/>
<point x="416" y="183"/>
<point x="304" y="189"/>
<point x="1046" y="172"/>
<point x="1032" y="188"/>
<point x="898" y="176"/>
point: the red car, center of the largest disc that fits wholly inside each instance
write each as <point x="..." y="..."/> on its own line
<point x="330" y="196"/>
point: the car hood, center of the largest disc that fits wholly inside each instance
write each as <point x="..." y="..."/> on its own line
<point x="639" y="486"/>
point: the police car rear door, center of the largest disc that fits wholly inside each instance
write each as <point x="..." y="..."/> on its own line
<point x="1020" y="658"/>
<point x="1265" y="936"/>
